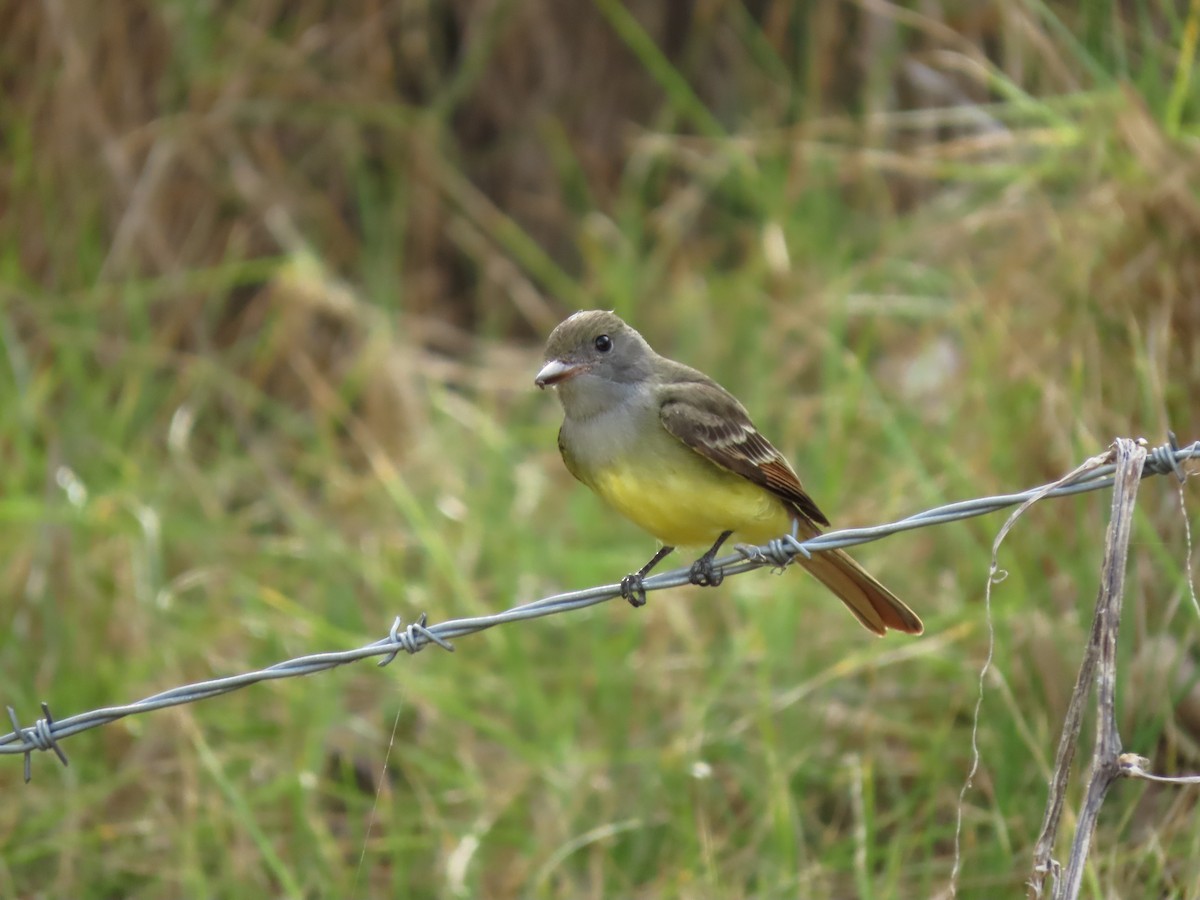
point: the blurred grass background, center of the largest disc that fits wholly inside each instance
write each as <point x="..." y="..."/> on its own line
<point x="274" y="277"/>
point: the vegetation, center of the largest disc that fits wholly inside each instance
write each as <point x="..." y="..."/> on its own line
<point x="273" y="283"/>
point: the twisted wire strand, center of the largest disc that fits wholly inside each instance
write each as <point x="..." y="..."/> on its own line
<point x="47" y="731"/>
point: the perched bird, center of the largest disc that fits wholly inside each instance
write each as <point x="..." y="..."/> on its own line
<point x="677" y="454"/>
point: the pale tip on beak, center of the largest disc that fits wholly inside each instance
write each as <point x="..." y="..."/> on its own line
<point x="555" y="372"/>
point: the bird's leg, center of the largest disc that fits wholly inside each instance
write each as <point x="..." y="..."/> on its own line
<point x="632" y="588"/>
<point x="703" y="572"/>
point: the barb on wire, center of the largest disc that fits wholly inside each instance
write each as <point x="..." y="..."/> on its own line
<point x="47" y="731"/>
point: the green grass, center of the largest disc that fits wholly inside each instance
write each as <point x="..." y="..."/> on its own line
<point x="284" y="393"/>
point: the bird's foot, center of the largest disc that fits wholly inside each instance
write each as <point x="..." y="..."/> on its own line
<point x="633" y="589"/>
<point x="633" y="585"/>
<point x="704" y="573"/>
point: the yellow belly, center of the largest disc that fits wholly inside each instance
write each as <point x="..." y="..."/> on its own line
<point x="691" y="504"/>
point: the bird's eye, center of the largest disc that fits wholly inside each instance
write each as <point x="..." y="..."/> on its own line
<point x="604" y="343"/>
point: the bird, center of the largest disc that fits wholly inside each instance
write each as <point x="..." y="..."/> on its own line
<point x="677" y="454"/>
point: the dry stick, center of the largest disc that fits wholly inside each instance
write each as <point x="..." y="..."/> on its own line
<point x="1101" y="653"/>
<point x="995" y="575"/>
<point x="1106" y="755"/>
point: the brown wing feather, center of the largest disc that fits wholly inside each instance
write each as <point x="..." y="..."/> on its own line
<point x="710" y="420"/>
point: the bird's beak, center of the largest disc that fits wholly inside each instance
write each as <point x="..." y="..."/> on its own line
<point x="555" y="372"/>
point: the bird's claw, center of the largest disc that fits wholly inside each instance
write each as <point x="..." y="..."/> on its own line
<point x="633" y="589"/>
<point x="705" y="574"/>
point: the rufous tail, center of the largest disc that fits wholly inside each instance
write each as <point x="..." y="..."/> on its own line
<point x="872" y="604"/>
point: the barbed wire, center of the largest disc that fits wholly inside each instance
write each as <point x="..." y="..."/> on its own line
<point x="47" y="731"/>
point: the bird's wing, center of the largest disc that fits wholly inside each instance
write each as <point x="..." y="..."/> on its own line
<point x="709" y="420"/>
